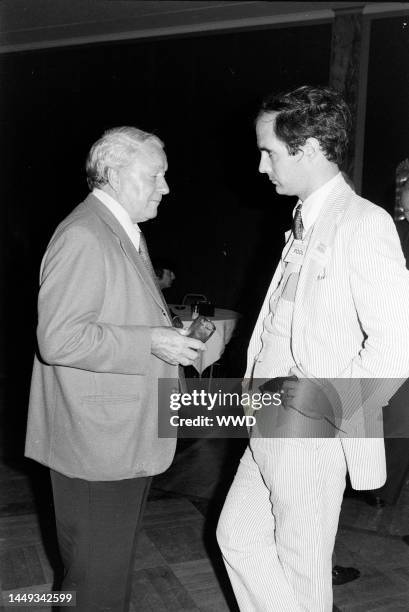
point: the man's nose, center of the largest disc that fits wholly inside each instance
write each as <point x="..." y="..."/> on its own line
<point x="163" y="186"/>
<point x="264" y="166"/>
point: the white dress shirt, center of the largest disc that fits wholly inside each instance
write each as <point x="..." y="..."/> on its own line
<point x="121" y="215"/>
<point x="275" y="357"/>
<point x="311" y="207"/>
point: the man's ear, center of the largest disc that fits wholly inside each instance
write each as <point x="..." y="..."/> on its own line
<point x="113" y="178"/>
<point x="311" y="148"/>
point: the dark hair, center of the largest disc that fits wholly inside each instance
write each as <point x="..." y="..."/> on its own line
<point x="311" y="112"/>
<point x="160" y="265"/>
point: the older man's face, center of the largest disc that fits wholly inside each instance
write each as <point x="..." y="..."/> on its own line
<point x="142" y="184"/>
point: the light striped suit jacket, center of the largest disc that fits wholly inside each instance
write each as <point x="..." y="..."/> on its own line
<point x="351" y="321"/>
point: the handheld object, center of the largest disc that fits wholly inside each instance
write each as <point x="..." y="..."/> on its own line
<point x="201" y="329"/>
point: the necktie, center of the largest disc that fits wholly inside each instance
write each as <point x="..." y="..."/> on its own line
<point x="144" y="253"/>
<point x="298" y="227"/>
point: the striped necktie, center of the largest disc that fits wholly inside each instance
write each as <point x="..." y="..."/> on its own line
<point x="144" y="253"/>
<point x="298" y="227"/>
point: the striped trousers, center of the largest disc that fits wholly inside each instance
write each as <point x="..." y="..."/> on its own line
<point x="278" y="525"/>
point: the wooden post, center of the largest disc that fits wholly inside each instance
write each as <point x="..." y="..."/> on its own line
<point x="349" y="74"/>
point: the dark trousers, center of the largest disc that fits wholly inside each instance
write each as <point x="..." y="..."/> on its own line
<point x="396" y="431"/>
<point x="397" y="468"/>
<point x="97" y="528"/>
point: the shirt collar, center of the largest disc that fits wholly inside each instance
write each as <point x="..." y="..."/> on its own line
<point x="312" y="206"/>
<point x="121" y="215"/>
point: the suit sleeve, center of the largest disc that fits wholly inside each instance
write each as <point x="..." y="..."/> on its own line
<point x="70" y="331"/>
<point x="379" y="284"/>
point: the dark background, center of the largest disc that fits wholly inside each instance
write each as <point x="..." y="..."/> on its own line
<point x="387" y="110"/>
<point x="222" y="224"/>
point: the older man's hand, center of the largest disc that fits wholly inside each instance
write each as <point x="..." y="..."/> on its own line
<point x="173" y="346"/>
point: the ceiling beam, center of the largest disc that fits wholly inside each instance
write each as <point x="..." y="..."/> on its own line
<point x="217" y="17"/>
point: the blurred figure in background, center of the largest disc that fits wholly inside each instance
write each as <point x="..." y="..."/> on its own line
<point x="164" y="273"/>
<point x="403" y="226"/>
<point x="165" y="277"/>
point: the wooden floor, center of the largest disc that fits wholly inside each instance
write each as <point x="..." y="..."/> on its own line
<point x="178" y="565"/>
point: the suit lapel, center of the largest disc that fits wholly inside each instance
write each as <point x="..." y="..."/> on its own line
<point x="128" y="248"/>
<point x="318" y="255"/>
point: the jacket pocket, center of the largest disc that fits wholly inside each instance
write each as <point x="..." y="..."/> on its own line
<point x="106" y="428"/>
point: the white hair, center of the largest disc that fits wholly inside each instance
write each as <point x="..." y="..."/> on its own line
<point x="117" y="148"/>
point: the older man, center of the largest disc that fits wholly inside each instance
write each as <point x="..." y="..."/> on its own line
<point x="104" y="339"/>
<point x="334" y="328"/>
